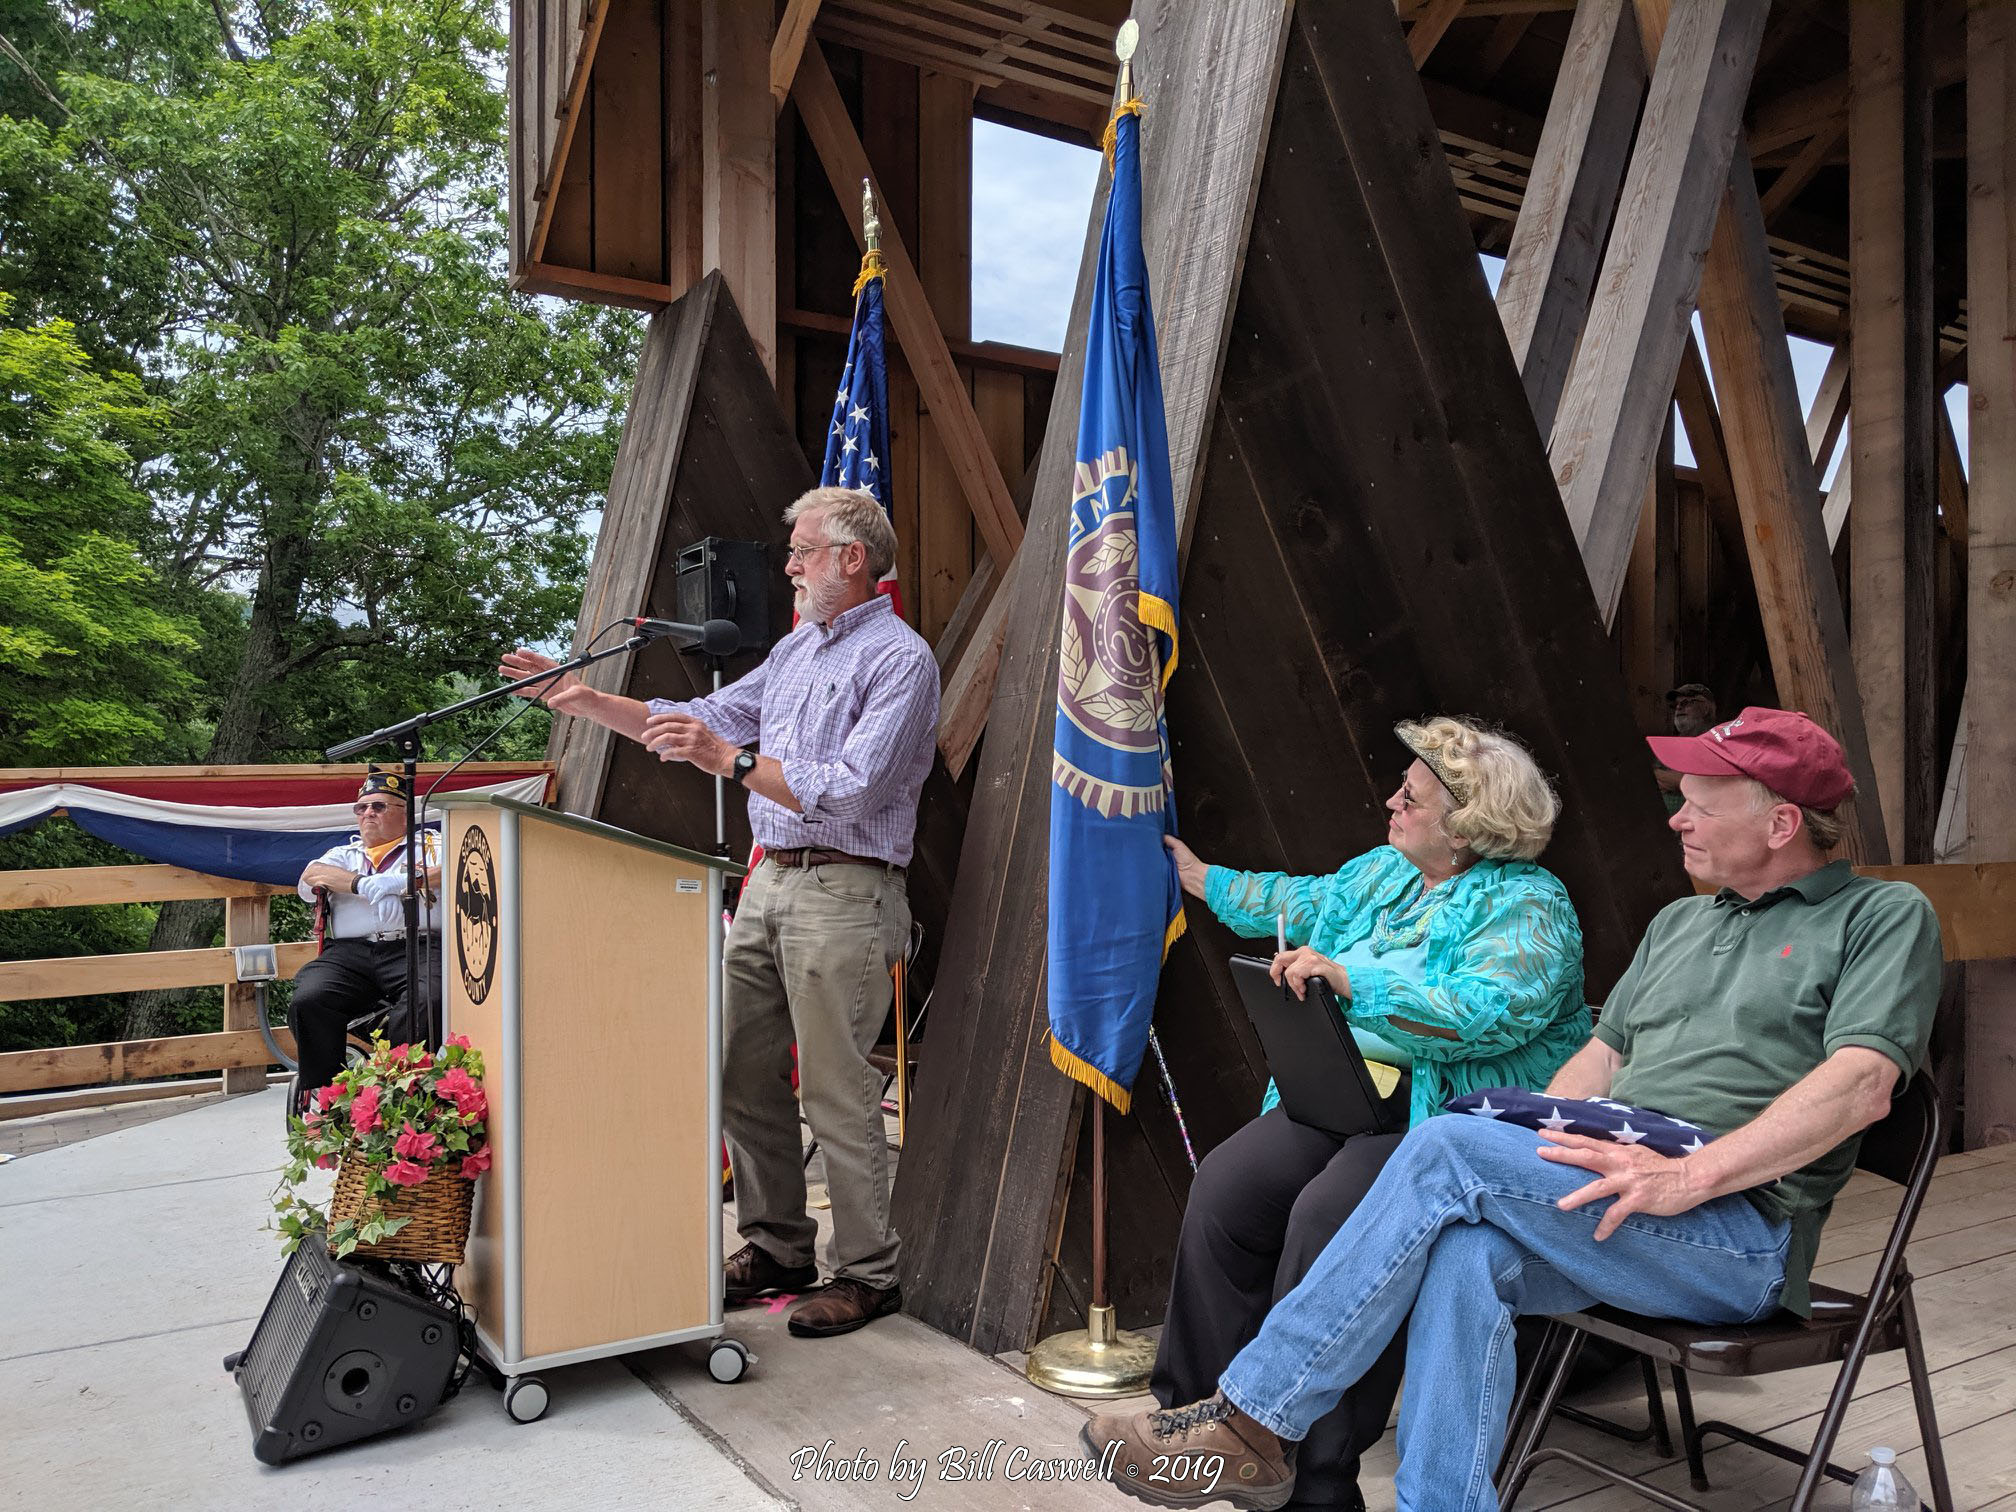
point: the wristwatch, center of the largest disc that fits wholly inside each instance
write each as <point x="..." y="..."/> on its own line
<point x="745" y="763"/>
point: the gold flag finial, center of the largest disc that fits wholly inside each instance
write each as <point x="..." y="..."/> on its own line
<point x="871" y="224"/>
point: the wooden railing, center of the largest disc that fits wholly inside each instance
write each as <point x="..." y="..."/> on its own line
<point x="239" y="1051"/>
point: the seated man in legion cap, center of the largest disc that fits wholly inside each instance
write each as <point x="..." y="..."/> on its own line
<point x="1778" y="1017"/>
<point x="359" y="891"/>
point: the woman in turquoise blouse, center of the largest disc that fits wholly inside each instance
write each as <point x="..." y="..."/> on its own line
<point x="1450" y="952"/>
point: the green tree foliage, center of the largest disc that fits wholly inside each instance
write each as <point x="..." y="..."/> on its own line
<point x="372" y="460"/>
<point x="80" y="631"/>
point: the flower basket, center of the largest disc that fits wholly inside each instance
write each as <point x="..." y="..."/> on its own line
<point x="405" y="1134"/>
<point x="437" y="1214"/>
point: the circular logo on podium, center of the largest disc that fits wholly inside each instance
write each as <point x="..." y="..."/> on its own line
<point x="476" y="914"/>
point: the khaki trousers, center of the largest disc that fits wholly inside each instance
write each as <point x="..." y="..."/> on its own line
<point x="808" y="959"/>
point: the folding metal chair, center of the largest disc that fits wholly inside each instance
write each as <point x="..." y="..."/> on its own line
<point x="1845" y="1327"/>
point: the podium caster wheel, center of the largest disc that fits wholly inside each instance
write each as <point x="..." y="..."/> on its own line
<point x="526" y="1399"/>
<point x="728" y="1361"/>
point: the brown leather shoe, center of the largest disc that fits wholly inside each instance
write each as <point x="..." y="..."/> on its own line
<point x="752" y="1272"/>
<point x="841" y="1306"/>
<point x="1187" y="1456"/>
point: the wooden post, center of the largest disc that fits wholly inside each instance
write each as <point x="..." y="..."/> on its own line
<point x="1615" y="407"/>
<point x="1991" y="554"/>
<point x="247" y="921"/>
<point x="739" y="149"/>
<point x="944" y="537"/>
<point x="1649" y="619"/>
<point x="1890" y="305"/>
<point x="1773" y="474"/>
<point x="846" y="164"/>
<point x="1571" y="194"/>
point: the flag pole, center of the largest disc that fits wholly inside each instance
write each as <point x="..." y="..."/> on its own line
<point x="1100" y="1359"/>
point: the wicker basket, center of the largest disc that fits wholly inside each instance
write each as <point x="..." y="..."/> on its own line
<point x="438" y="1208"/>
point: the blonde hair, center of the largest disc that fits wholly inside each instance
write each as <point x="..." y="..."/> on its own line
<point x="1502" y="804"/>
<point x="851" y="515"/>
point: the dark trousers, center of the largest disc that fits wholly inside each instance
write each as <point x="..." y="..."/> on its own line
<point x="1262" y="1207"/>
<point x="350" y="979"/>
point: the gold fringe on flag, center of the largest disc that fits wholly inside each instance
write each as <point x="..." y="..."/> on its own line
<point x="1081" y="1070"/>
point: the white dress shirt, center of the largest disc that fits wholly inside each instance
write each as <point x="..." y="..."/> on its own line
<point x="378" y="908"/>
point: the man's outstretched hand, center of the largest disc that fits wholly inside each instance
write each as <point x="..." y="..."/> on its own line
<point x="1640" y="1180"/>
<point x="565" y="693"/>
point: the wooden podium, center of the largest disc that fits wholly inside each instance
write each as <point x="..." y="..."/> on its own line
<point x="585" y="963"/>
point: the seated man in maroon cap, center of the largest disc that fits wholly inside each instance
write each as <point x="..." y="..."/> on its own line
<point x="1777" y="1017"/>
<point x="359" y="892"/>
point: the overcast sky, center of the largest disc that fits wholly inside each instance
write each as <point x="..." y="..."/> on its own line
<point x="1031" y="199"/>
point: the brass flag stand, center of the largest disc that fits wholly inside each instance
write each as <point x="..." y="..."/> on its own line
<point x="1101" y="1359"/>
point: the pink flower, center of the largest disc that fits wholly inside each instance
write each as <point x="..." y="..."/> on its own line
<point x="414" y="1145"/>
<point x="462" y="1090"/>
<point x="311" y="1120"/>
<point x="325" y="1098"/>
<point x="475" y="1163"/>
<point x="364" y="1110"/>
<point x="422" y="1061"/>
<point x="405" y="1173"/>
<point x="459" y="1041"/>
<point x="325" y="1162"/>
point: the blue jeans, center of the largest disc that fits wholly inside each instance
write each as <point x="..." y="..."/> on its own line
<point x="1461" y="1230"/>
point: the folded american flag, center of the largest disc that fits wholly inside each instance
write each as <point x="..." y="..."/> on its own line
<point x="1597" y="1117"/>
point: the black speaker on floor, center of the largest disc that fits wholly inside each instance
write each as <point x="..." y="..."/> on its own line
<point x="341" y="1353"/>
<point x="717" y="579"/>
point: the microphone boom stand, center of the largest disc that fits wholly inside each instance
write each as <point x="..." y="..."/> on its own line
<point x="405" y="735"/>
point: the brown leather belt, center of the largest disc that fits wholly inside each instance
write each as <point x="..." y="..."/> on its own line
<point x="811" y="857"/>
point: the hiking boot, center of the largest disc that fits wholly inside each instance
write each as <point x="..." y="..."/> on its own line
<point x="751" y="1273"/>
<point x="841" y="1306"/>
<point x="1187" y="1456"/>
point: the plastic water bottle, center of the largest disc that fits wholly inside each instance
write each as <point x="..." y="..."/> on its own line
<point x="1882" y="1487"/>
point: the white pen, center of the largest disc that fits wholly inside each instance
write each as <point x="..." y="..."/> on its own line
<point x="1281" y="931"/>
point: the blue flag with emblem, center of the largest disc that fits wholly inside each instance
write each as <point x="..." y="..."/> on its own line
<point x="857" y="440"/>
<point x="1115" y="905"/>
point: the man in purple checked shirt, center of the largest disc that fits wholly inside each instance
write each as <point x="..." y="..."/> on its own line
<point x="832" y="735"/>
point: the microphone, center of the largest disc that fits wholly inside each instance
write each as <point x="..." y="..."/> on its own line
<point x="718" y="637"/>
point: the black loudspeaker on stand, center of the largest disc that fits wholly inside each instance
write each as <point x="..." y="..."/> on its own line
<point x="341" y="1353"/>
<point x="717" y="579"/>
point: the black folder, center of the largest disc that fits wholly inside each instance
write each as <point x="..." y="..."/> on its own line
<point x="1317" y="1066"/>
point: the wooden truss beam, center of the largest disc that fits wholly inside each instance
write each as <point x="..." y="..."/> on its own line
<point x="1991" y="556"/>
<point x="789" y="47"/>
<point x="1893" y="525"/>
<point x="1426" y="32"/>
<point x="1772" y="469"/>
<point x="1615" y="406"/>
<point x="972" y="461"/>
<point x="1571" y="194"/>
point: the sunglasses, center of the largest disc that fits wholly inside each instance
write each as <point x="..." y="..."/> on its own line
<point x="369" y="808"/>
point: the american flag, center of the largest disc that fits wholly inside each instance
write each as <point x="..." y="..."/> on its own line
<point x="857" y="440"/>
<point x="1597" y="1117"/>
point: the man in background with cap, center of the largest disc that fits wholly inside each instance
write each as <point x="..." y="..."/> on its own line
<point x="1690" y="708"/>
<point x="1779" y="1016"/>
<point x="359" y="891"/>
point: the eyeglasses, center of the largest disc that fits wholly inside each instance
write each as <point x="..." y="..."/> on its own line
<point x="369" y="808"/>
<point x="799" y="553"/>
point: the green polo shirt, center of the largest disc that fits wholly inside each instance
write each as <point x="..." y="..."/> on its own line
<point x="1730" y="1000"/>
